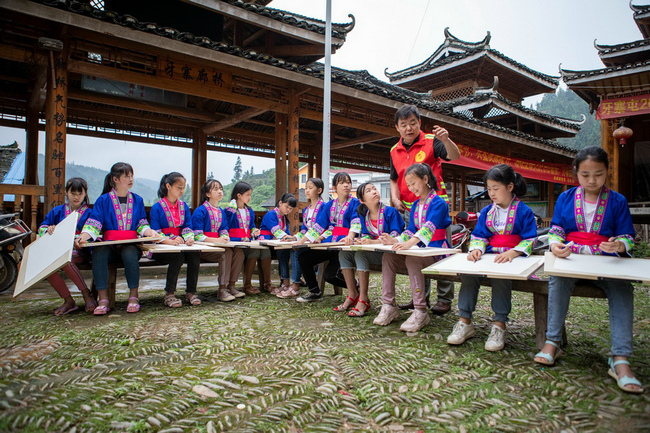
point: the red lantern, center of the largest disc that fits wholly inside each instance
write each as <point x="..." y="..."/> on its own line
<point x="622" y="134"/>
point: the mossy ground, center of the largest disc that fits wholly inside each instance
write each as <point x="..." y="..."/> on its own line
<point x="276" y="365"/>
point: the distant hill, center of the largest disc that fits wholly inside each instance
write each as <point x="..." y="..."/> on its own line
<point x="146" y="188"/>
<point x="263" y="187"/>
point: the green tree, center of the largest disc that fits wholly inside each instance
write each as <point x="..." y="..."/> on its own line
<point x="237" y="170"/>
<point x="565" y="103"/>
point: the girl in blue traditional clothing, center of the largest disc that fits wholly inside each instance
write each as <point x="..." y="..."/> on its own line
<point x="210" y="224"/>
<point x="375" y="220"/>
<point x="333" y="224"/>
<point x="592" y="219"/>
<point x="241" y="223"/>
<point x="275" y="225"/>
<point x="507" y="229"/>
<point x="117" y="215"/>
<point x="428" y="224"/>
<point x="171" y="217"/>
<point x="314" y="187"/>
<point x="76" y="190"/>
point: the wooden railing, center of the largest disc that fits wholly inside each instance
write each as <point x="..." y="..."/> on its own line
<point x="26" y="202"/>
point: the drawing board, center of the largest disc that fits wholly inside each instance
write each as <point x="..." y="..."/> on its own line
<point x="160" y="248"/>
<point x="597" y="267"/>
<point x="47" y="254"/>
<point x="280" y="245"/>
<point x="519" y="269"/>
<point x="235" y="244"/>
<point x="413" y="251"/>
<point x="123" y="241"/>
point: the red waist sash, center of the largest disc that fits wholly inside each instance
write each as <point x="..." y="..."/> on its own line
<point x="340" y="231"/>
<point x="507" y="241"/>
<point x="176" y="231"/>
<point x="265" y="233"/>
<point x="119" y="235"/>
<point x="439" y="235"/>
<point x="239" y="233"/>
<point x="584" y="238"/>
<point x="212" y="234"/>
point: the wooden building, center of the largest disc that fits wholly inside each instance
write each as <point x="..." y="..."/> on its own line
<point x="247" y="83"/>
<point x="619" y="93"/>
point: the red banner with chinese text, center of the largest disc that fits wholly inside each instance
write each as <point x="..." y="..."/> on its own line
<point x="474" y="158"/>
<point x="622" y="107"/>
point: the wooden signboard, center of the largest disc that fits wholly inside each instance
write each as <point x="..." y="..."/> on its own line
<point x="47" y="254"/>
<point x="123" y="241"/>
<point x="413" y="251"/>
<point x="598" y="267"/>
<point x="160" y="248"/>
<point x="521" y="268"/>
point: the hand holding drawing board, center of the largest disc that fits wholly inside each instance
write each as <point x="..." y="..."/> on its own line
<point x="47" y="254"/>
<point x="596" y="267"/>
<point x="519" y="269"/>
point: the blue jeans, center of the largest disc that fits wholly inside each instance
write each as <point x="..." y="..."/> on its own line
<point x="359" y="259"/>
<point x="620" y="296"/>
<point x="103" y="255"/>
<point x="501" y="297"/>
<point x="283" y="264"/>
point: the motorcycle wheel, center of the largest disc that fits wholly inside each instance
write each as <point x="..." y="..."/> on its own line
<point x="8" y="272"/>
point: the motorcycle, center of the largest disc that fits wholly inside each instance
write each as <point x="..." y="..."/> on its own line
<point x="12" y="232"/>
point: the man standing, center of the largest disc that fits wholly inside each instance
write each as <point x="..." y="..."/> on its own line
<point x="413" y="147"/>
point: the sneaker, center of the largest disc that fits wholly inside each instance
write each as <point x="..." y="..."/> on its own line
<point x="235" y="292"/>
<point x="224" y="296"/>
<point x="311" y="297"/>
<point x="418" y="320"/>
<point x="497" y="339"/>
<point x="387" y="314"/>
<point x="461" y="333"/>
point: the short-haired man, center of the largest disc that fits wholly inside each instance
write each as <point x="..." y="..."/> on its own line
<point x="416" y="146"/>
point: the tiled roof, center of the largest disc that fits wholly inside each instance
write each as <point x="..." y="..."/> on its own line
<point x="463" y="49"/>
<point x="487" y="96"/>
<point x="361" y="80"/>
<point x="569" y="75"/>
<point x="608" y="49"/>
<point x="640" y="9"/>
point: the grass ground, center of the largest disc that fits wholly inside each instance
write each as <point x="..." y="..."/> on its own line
<point x="262" y="364"/>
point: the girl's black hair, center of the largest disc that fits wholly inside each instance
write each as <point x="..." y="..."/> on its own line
<point x="362" y="209"/>
<point x="169" y="178"/>
<point x="117" y="170"/>
<point x="240" y="188"/>
<point x="77" y="184"/>
<point x="595" y="153"/>
<point x="207" y="187"/>
<point x="288" y="198"/>
<point x="318" y="183"/>
<point x="341" y="177"/>
<point x="507" y="175"/>
<point x="421" y="170"/>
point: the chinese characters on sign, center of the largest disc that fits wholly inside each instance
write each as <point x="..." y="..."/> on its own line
<point x="623" y="107"/>
<point x="193" y="73"/>
<point x="57" y="128"/>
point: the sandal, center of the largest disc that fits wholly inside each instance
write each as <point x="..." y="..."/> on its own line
<point x="622" y="382"/>
<point x="172" y="301"/>
<point x="355" y="312"/>
<point x="133" y="307"/>
<point x="193" y="299"/>
<point x="288" y="293"/>
<point x="550" y="359"/>
<point x="65" y="309"/>
<point x="102" y="308"/>
<point x="342" y="307"/>
<point x="91" y="303"/>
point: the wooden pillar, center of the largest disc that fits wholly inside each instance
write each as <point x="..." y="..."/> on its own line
<point x="280" y="155"/>
<point x="463" y="191"/>
<point x="608" y="143"/>
<point x="199" y="165"/>
<point x="310" y="162"/>
<point x="294" y="153"/>
<point x="454" y="191"/>
<point x="55" y="131"/>
<point x="551" y="198"/>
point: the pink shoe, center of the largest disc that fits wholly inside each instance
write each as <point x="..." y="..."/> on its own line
<point x="288" y="293"/>
<point x="133" y="306"/>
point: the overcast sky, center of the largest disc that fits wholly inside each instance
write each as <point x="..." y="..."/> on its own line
<point x="388" y="34"/>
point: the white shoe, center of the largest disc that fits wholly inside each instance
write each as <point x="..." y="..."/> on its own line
<point x="497" y="339"/>
<point x="387" y="314"/>
<point x="234" y="292"/>
<point x="225" y="296"/>
<point x="461" y="333"/>
<point x="418" y="320"/>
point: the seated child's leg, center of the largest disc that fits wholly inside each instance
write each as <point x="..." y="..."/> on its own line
<point x="193" y="260"/>
<point x="414" y="265"/>
<point x="390" y="264"/>
<point x="468" y="297"/>
<point x="501" y="299"/>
